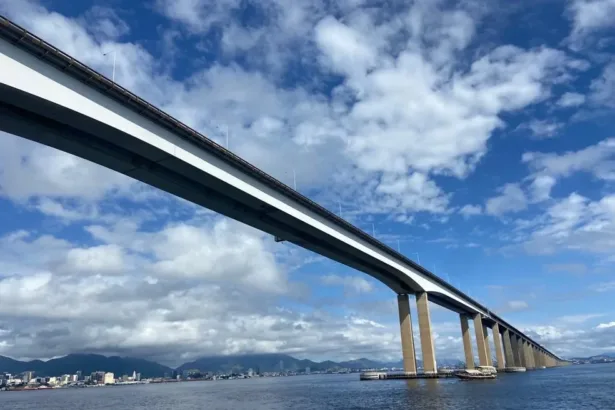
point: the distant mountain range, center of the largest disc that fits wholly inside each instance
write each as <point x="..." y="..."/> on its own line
<point x="596" y="358"/>
<point x="89" y="363"/>
<point x="274" y="362"/>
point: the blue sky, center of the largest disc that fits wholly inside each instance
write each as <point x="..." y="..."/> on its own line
<point x="476" y="136"/>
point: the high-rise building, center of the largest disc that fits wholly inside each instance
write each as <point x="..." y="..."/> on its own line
<point x="79" y="375"/>
<point x="138" y="378"/>
<point x="98" y="377"/>
<point x="308" y="370"/>
<point x="27" y="376"/>
<point x="134" y="375"/>
<point x="250" y="372"/>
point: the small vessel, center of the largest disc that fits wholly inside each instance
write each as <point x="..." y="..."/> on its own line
<point x="476" y="374"/>
<point x="515" y="369"/>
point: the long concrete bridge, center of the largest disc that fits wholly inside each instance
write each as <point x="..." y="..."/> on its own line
<point x="49" y="97"/>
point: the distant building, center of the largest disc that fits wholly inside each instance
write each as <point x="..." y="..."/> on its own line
<point x="138" y="378"/>
<point x="308" y="370"/>
<point x="109" y="378"/>
<point x="79" y="375"/>
<point x="134" y="375"/>
<point x="27" y="376"/>
<point x="98" y="377"/>
<point x="250" y="372"/>
<point x="281" y="365"/>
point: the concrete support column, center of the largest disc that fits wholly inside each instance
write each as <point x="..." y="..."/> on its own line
<point x="429" y="354"/>
<point x="508" y="351"/>
<point x="536" y="354"/>
<point x="467" y="341"/>
<point x="521" y="344"/>
<point x="407" y="338"/>
<point x="499" y="355"/>
<point x="516" y="341"/>
<point x="529" y="357"/>
<point x="487" y="347"/>
<point x="480" y="340"/>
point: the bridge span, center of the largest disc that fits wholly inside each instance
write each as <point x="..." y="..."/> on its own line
<point x="49" y="97"/>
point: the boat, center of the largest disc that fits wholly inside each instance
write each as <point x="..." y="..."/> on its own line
<point x="487" y="369"/>
<point x="474" y="374"/>
<point x="515" y="369"/>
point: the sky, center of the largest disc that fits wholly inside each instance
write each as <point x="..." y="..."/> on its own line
<point x="476" y="137"/>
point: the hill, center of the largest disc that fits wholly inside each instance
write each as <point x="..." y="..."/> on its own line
<point x="87" y="363"/>
<point x="276" y="362"/>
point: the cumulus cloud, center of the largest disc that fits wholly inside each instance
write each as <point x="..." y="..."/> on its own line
<point x="574" y="223"/>
<point x="470" y="210"/>
<point x="544" y="128"/>
<point x="512" y="199"/>
<point x="571" y="100"/>
<point x="589" y="17"/>
<point x="352" y="283"/>
<point x="603" y="87"/>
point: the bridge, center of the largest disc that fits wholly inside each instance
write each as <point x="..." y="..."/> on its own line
<point x="49" y="97"/>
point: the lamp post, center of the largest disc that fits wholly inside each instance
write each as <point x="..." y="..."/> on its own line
<point x="114" y="57"/>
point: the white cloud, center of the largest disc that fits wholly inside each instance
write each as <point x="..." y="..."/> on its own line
<point x="512" y="199"/>
<point x="347" y="50"/>
<point x="516" y="305"/>
<point x="603" y="287"/>
<point x="541" y="186"/>
<point x="596" y="159"/>
<point x="590" y="16"/>
<point x="353" y="283"/>
<point x="470" y="210"/>
<point x="603" y="87"/>
<point x="573" y="224"/>
<point x="95" y="260"/>
<point x="571" y="100"/>
<point x="579" y="319"/>
<point x="544" y="128"/>
<point x="605" y="325"/>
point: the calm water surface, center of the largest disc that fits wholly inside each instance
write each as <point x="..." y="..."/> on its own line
<point x="573" y="387"/>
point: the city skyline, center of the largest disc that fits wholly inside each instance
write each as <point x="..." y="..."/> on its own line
<point x="497" y="175"/>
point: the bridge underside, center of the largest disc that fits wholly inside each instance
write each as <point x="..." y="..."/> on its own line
<point x="39" y="120"/>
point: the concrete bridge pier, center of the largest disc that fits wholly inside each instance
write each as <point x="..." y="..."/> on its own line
<point x="467" y="341"/>
<point x="487" y="347"/>
<point x="508" y="350"/>
<point x="529" y="357"/>
<point x="407" y="338"/>
<point x="429" y="354"/>
<point x="536" y="354"/>
<point x="499" y="355"/>
<point x="480" y="340"/>
<point x="516" y="353"/>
